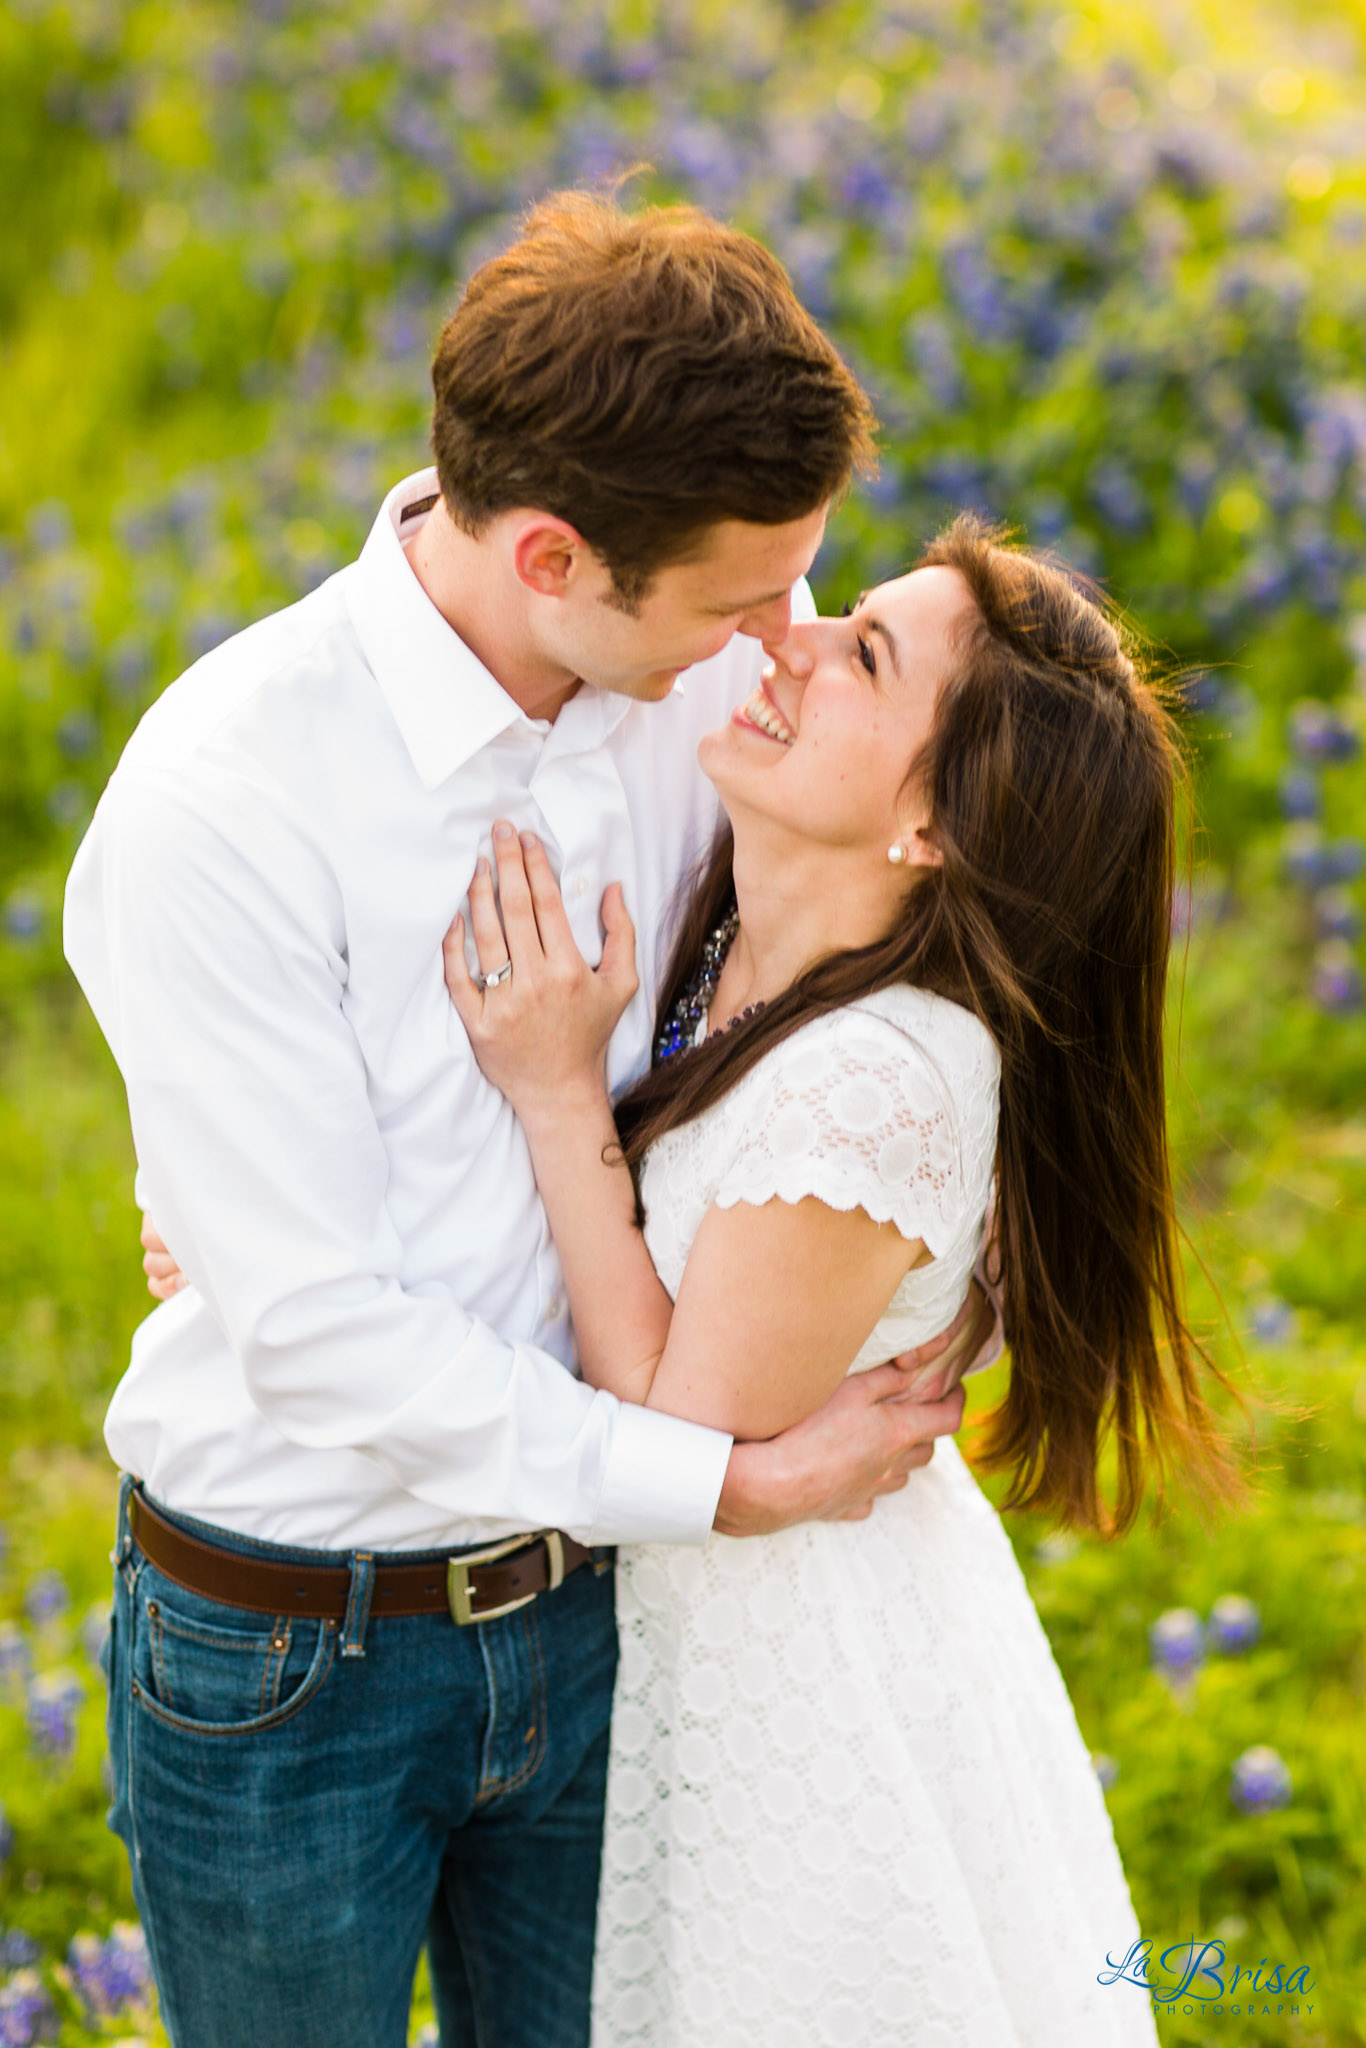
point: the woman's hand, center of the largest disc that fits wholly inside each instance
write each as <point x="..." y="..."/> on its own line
<point x="544" y="1028"/>
<point x="164" y="1277"/>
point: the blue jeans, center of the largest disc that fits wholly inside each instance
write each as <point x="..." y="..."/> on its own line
<point x="299" y="1821"/>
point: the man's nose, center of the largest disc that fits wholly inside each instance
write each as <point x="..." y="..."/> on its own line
<point x="769" y="622"/>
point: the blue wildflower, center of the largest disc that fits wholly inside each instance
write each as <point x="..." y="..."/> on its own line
<point x="1337" y="982"/>
<point x="1336" y="915"/>
<point x="1300" y="794"/>
<point x="16" y="1661"/>
<point x="1105" y="1767"/>
<point x="46" y="1598"/>
<point x="1272" y="1321"/>
<point x="27" y="2014"/>
<point x="54" y="1702"/>
<point x="111" y="1975"/>
<point x="1260" y="1781"/>
<point x="23" y="918"/>
<point x="1318" y="734"/>
<point x="1176" y="1642"/>
<point x="1234" y="1624"/>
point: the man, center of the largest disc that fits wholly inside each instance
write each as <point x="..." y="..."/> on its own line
<point x="359" y="1696"/>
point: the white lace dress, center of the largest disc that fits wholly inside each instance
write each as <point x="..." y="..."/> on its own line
<point x="849" y="1803"/>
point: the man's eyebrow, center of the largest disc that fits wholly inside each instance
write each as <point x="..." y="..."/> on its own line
<point x="748" y="604"/>
<point x="876" y="626"/>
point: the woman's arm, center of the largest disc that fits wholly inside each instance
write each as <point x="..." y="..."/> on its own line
<point x="776" y="1300"/>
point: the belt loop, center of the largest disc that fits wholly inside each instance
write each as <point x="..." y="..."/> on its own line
<point x="123" y="1541"/>
<point x="358" y="1603"/>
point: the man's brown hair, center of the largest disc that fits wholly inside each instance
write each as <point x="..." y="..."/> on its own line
<point x="643" y="376"/>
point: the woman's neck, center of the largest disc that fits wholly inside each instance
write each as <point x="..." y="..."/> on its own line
<point x="798" y="902"/>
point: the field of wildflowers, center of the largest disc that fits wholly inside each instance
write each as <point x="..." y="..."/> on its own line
<point x="1104" y="270"/>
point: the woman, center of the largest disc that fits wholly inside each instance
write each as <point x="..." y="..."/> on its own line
<point x="849" y="1801"/>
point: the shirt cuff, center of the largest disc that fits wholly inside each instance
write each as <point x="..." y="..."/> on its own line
<point x="663" y="1479"/>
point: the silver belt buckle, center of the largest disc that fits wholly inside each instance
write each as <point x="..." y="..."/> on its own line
<point x="458" y="1575"/>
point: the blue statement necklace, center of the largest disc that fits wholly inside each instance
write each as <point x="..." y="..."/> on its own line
<point x="686" y="1024"/>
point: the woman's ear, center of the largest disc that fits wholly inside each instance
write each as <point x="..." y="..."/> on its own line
<point x="924" y="850"/>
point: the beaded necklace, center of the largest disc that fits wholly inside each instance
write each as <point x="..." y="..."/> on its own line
<point x="685" y="1025"/>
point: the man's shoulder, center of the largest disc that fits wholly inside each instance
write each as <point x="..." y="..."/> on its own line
<point x="286" y="658"/>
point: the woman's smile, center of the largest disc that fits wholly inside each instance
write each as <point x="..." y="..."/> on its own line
<point x="761" y="713"/>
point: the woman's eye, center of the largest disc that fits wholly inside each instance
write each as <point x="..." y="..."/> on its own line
<point x="866" y="655"/>
<point x="845" y="609"/>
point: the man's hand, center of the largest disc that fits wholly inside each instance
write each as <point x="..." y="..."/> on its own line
<point x="164" y="1277"/>
<point x="972" y="1340"/>
<point x="866" y="1440"/>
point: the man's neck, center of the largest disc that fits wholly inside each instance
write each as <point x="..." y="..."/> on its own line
<point x="467" y="585"/>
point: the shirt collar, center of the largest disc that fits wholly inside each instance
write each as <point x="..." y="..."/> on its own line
<point x="444" y="701"/>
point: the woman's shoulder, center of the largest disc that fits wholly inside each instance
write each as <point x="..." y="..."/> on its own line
<point x="950" y="1035"/>
<point x="932" y="1054"/>
<point x="899" y="1026"/>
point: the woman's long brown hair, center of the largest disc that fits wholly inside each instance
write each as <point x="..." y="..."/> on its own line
<point x="1051" y="776"/>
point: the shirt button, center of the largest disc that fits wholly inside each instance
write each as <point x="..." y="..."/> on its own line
<point x="579" y="886"/>
<point x="554" y="1308"/>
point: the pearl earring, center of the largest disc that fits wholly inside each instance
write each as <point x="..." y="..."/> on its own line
<point x="896" y="854"/>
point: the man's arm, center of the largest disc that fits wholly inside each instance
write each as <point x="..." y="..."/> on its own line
<point x="216" y="966"/>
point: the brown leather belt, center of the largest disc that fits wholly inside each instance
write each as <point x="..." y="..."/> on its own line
<point x="476" y="1586"/>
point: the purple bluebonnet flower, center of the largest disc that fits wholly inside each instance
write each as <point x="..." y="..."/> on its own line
<point x="50" y="525"/>
<point x="1300" y="793"/>
<point x="130" y="663"/>
<point x="77" y="734"/>
<point x="27" y="2014"/>
<point x="68" y="803"/>
<point x="1234" y="1624"/>
<point x="1261" y="1781"/>
<point x="6" y="1848"/>
<point x="54" y="1701"/>
<point x="110" y="1975"/>
<point x="1304" y="857"/>
<point x="23" y="918"/>
<point x="1176" y="1642"/>
<point x="1201" y="693"/>
<point x="1117" y="496"/>
<point x="1105" y="1767"/>
<point x="16" y="1661"/>
<point x="1336" y="914"/>
<point x="1272" y="1321"/>
<point x="1344" y="860"/>
<point x="1318" y="734"/>
<point x="1337" y="982"/>
<point x="18" y="1950"/>
<point x="46" y="1598"/>
<point x="207" y="632"/>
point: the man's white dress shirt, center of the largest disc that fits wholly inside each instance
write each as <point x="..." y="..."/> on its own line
<point x="374" y="1349"/>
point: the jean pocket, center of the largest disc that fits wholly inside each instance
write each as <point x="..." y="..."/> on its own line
<point x="198" y="1664"/>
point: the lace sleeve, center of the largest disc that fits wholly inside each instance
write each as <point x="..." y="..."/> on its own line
<point x="853" y="1111"/>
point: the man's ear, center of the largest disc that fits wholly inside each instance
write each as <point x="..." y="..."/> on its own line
<point x="548" y="553"/>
